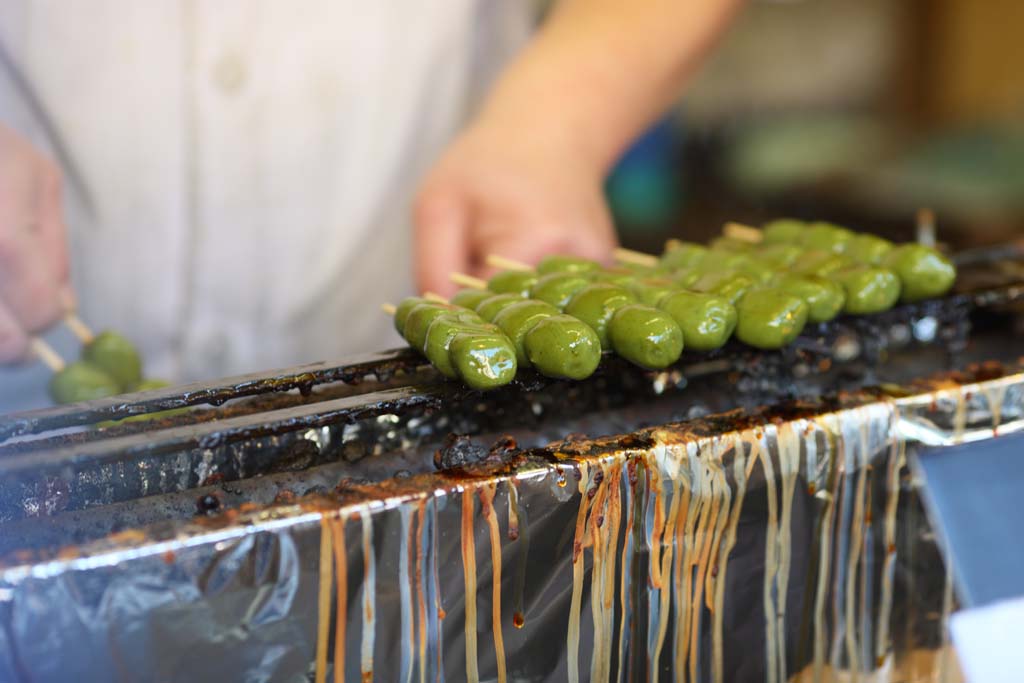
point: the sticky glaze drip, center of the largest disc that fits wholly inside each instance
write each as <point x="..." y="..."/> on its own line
<point x="337" y="526"/>
<point x="469" y="574"/>
<point x="369" y="598"/>
<point x="324" y="601"/>
<point x="487" y="494"/>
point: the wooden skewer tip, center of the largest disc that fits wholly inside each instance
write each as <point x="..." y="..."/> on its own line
<point x="496" y="261"/>
<point x="635" y="257"/>
<point x="390" y="309"/>
<point x="79" y="328"/>
<point x="744" y="233"/>
<point x="434" y="296"/>
<point x="468" y="281"/>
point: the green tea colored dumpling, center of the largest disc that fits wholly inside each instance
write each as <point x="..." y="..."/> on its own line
<point x="563" y="264"/>
<point x="418" y="322"/>
<point x="512" y="282"/>
<point x="649" y="291"/>
<point x="787" y="230"/>
<point x="403" y="310"/>
<point x="595" y="304"/>
<point x="117" y="357"/>
<point x="731" y="285"/>
<point x="483" y="361"/>
<point x="824" y="298"/>
<point x="442" y="331"/>
<point x="826" y="237"/>
<point x="868" y="249"/>
<point x="924" y="272"/>
<point x="706" y="320"/>
<point x="620" y="276"/>
<point x="645" y="336"/>
<point x="780" y="255"/>
<point x="770" y="318"/>
<point x="868" y="289"/>
<point x="730" y="244"/>
<point x="557" y="288"/>
<point x="683" y="255"/>
<point x="518" y="319"/>
<point x="82" y="381"/>
<point x="470" y="298"/>
<point x="821" y="263"/>
<point x="495" y="304"/>
<point x="563" y="347"/>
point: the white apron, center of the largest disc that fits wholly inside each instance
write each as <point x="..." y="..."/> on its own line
<point x="240" y="171"/>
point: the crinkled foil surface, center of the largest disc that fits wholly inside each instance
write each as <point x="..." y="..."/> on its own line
<point x="791" y="548"/>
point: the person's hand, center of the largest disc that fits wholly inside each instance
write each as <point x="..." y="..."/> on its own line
<point x="510" y="190"/>
<point x="34" y="284"/>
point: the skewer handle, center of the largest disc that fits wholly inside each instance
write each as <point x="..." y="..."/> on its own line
<point x="435" y="297"/>
<point x="390" y="309"/>
<point x="637" y="258"/>
<point x="468" y="281"/>
<point x="47" y="354"/>
<point x="743" y="233"/>
<point x="925" y="232"/>
<point x="503" y="263"/>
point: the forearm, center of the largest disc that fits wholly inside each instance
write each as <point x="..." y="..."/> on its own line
<point x="599" y="71"/>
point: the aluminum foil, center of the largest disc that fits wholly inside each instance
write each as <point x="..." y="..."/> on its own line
<point x="769" y="547"/>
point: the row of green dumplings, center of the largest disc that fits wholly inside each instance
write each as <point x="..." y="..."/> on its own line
<point x="560" y="316"/>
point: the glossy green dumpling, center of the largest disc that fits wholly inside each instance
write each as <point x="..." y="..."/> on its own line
<point x="706" y="320"/>
<point x="868" y="289"/>
<point x="495" y="304"/>
<point x="826" y="237"/>
<point x="443" y="330"/>
<point x="116" y="356"/>
<point x="403" y="310"/>
<point x="82" y="381"/>
<point x="783" y="230"/>
<point x="563" y="264"/>
<point x="595" y="304"/>
<point x="518" y="319"/>
<point x="470" y="298"/>
<point x="562" y="346"/>
<point x="868" y="249"/>
<point x="512" y="282"/>
<point x="770" y="318"/>
<point x="779" y="256"/>
<point x="418" y="322"/>
<point x="923" y="271"/>
<point x="651" y="290"/>
<point x="645" y="336"/>
<point x="557" y="288"/>
<point x="824" y="298"/>
<point x="820" y="262"/>
<point x="483" y="361"/>
<point x="731" y="285"/>
<point x="683" y="255"/>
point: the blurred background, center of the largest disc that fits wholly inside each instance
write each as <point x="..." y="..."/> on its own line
<point x="854" y="111"/>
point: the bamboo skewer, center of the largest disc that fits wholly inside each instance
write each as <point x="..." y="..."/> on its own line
<point x="496" y="261"/>
<point x="47" y="354"/>
<point x="390" y="309"/>
<point x="637" y="258"/>
<point x="79" y="328"/>
<point x="743" y="233"/>
<point x="925" y="232"/>
<point x="435" y="297"/>
<point x="468" y="281"/>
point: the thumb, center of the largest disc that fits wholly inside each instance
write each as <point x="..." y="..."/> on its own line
<point x="441" y="241"/>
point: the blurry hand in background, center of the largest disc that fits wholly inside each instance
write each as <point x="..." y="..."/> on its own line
<point x="34" y="282"/>
<point x="526" y="179"/>
<point x="511" y="189"/>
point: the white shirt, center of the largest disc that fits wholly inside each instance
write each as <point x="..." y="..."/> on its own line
<point x="243" y="169"/>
